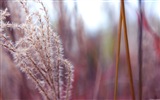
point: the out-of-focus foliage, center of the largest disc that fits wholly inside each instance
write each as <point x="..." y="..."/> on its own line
<point x="94" y="56"/>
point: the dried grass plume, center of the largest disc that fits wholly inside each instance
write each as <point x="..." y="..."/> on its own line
<point x="39" y="53"/>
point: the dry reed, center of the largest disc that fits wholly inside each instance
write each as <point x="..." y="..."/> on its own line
<point x="39" y="53"/>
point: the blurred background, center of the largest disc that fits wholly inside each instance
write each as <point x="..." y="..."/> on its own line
<point x="88" y="30"/>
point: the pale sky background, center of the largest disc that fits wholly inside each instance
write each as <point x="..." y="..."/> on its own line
<point x="94" y="16"/>
<point x="93" y="13"/>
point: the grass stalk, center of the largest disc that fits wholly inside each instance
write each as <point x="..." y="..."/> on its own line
<point x="127" y="51"/>
<point x="118" y="55"/>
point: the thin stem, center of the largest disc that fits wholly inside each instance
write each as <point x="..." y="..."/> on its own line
<point x="38" y="69"/>
<point x="9" y="48"/>
<point x="140" y="52"/>
<point x="28" y="71"/>
<point x="118" y="54"/>
<point x="127" y="50"/>
<point x="9" y="43"/>
<point x="44" y="77"/>
<point x="37" y="82"/>
<point x="48" y="67"/>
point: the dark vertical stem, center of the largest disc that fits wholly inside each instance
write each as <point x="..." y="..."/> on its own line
<point x="140" y="50"/>
<point x="127" y="51"/>
<point x="118" y="54"/>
